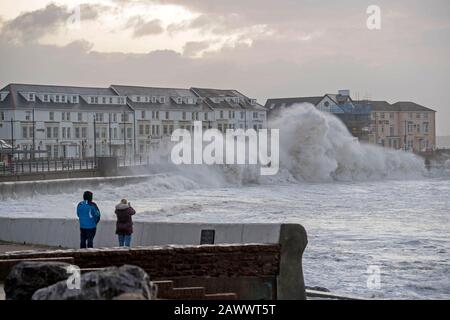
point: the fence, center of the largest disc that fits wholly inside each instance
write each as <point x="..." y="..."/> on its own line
<point x="40" y="166"/>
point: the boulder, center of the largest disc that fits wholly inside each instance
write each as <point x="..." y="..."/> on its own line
<point x="26" y="277"/>
<point x="105" y="284"/>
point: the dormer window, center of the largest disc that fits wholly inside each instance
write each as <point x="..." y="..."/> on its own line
<point x="111" y="100"/>
<point x="104" y="100"/>
<point x="31" y="97"/>
<point x="63" y="99"/>
<point x="45" y="98"/>
<point x="74" y="99"/>
<point x="162" y="99"/>
<point x="56" y="98"/>
<point x="138" y="99"/>
<point x="153" y="99"/>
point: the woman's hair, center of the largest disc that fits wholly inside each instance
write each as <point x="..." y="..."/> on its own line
<point x="124" y="201"/>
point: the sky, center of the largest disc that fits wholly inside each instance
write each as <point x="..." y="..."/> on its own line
<point x="265" y="49"/>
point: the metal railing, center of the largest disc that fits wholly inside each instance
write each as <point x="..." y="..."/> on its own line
<point x="49" y="165"/>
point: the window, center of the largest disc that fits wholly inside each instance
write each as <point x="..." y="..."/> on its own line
<point x="142" y="114"/>
<point x="49" y="133"/>
<point x="221" y="114"/>
<point x="425" y="115"/>
<point x="418" y="128"/>
<point x="45" y="98"/>
<point x="167" y="115"/>
<point x="147" y="129"/>
<point x="162" y="99"/>
<point x="165" y="130"/>
<point x="63" y="99"/>
<point x="55" y="132"/>
<point x="99" y="117"/>
<point x="255" y="115"/>
<point x="84" y="132"/>
<point x="69" y="135"/>
<point x="52" y="116"/>
<point x="103" y="132"/>
<point x="2" y="116"/>
<point x="74" y="99"/>
<point x="68" y="116"/>
<point x="24" y="132"/>
<point x="115" y="133"/>
<point x="114" y="117"/>
<point x="129" y="133"/>
<point x="391" y="131"/>
<point x="63" y="132"/>
<point x="391" y="115"/>
<point x="417" y="115"/>
<point x="31" y="97"/>
<point x="382" y="115"/>
<point x="193" y="116"/>
<point x="80" y="117"/>
<point x="28" y="115"/>
<point x="138" y="99"/>
<point x="425" y="127"/>
<point x="56" y="98"/>
<point x="206" y="116"/>
<point x="77" y="133"/>
<point x="157" y="114"/>
<point x="141" y="129"/>
<point x="104" y="100"/>
<point x="242" y="114"/>
<point x="55" y="152"/>
<point x="111" y="101"/>
<point x="183" y="116"/>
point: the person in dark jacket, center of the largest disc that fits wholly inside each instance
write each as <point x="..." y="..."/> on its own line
<point x="89" y="215"/>
<point x="124" y="225"/>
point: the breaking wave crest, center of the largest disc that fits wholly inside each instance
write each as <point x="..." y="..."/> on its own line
<point x="316" y="146"/>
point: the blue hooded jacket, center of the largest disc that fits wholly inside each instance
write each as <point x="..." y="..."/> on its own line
<point x="89" y="214"/>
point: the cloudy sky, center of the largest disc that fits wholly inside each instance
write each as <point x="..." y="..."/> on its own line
<point x="263" y="48"/>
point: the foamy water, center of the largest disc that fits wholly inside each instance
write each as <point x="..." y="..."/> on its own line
<point x="361" y="206"/>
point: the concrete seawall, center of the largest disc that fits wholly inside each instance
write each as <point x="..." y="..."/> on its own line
<point x="16" y="189"/>
<point x="65" y="233"/>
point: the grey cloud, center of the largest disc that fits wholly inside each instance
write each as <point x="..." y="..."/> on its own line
<point x="33" y="25"/>
<point x="142" y="28"/>
<point x="192" y="48"/>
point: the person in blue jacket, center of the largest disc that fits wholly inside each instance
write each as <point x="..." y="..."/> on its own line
<point x="89" y="216"/>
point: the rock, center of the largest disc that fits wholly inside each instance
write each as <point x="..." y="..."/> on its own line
<point x="26" y="277"/>
<point x="105" y="284"/>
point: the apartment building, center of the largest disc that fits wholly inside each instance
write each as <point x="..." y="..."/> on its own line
<point x="402" y="125"/>
<point x="80" y="122"/>
<point x="355" y="115"/>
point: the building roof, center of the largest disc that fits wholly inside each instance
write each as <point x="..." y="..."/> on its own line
<point x="244" y="101"/>
<point x="157" y="91"/>
<point x="16" y="100"/>
<point x="286" y="102"/>
<point x="404" y="106"/>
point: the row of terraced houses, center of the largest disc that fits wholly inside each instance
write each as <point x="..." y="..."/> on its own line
<point x="80" y="122"/>
<point x="76" y="122"/>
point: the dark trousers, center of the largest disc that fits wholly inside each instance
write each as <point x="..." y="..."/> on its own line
<point x="87" y="237"/>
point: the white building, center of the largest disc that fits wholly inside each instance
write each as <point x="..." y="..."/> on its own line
<point x="127" y="120"/>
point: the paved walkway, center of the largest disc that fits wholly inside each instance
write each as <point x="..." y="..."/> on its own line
<point x="7" y="247"/>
